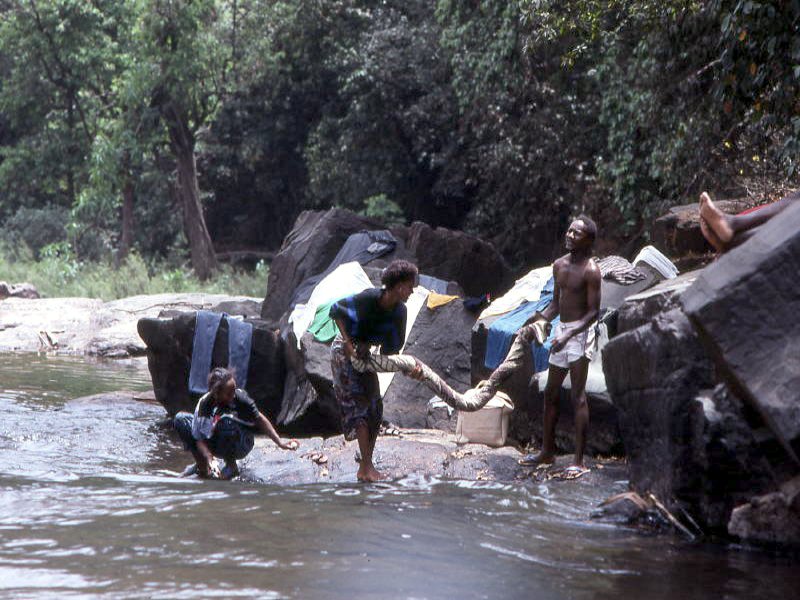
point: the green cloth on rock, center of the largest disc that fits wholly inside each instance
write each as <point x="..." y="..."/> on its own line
<point x="323" y="327"/>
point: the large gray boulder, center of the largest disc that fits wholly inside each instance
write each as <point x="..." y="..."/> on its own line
<point x="169" y="343"/>
<point x="745" y="307"/>
<point x="688" y="440"/>
<point x="457" y="256"/>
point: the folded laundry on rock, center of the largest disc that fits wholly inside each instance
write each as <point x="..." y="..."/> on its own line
<point x="617" y="268"/>
<point x="526" y="289"/>
<point x="654" y="258"/>
<point x="240" y="339"/>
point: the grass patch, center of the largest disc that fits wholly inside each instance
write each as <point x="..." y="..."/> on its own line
<point x="56" y="274"/>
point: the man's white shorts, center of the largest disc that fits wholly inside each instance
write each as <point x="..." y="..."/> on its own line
<point x="579" y="345"/>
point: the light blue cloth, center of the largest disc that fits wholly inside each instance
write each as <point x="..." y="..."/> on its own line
<point x="240" y="339"/>
<point x="502" y="331"/>
<point x="433" y="284"/>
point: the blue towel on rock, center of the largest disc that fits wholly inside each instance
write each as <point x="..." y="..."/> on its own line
<point x="206" y="325"/>
<point x="502" y="331"/>
<point x="240" y="339"/>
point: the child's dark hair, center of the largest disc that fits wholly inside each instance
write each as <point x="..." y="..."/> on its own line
<point x="218" y="378"/>
<point x="591" y="226"/>
<point x="397" y="271"/>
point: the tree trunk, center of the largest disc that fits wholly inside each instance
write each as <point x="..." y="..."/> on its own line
<point x="126" y="239"/>
<point x="182" y="142"/>
<point x="204" y="260"/>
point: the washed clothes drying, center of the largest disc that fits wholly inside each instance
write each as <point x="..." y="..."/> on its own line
<point x="502" y="331"/>
<point x="240" y="339"/>
<point x="361" y="247"/>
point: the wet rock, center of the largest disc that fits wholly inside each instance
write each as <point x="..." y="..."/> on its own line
<point x="626" y="508"/>
<point x="429" y="454"/>
<point x="169" y="355"/>
<point x="19" y="290"/>
<point x="678" y="233"/>
<point x="745" y="308"/>
<point x="770" y="519"/>
<point x="307" y="250"/>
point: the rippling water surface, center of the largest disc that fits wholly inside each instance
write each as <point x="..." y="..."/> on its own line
<point x="88" y="509"/>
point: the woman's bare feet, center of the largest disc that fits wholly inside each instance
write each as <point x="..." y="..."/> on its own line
<point x="369" y="474"/>
<point x="716" y="220"/>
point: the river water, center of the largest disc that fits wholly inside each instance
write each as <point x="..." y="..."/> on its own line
<point x="88" y="510"/>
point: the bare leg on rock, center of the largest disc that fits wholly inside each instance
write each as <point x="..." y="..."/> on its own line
<point x="552" y="392"/>
<point x="578" y="372"/>
<point x="366" y="445"/>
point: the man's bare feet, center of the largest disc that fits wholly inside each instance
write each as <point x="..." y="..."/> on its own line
<point x="369" y="474"/>
<point x="534" y="460"/>
<point x="710" y="236"/>
<point x="716" y="220"/>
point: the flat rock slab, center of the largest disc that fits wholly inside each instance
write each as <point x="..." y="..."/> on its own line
<point x="422" y="452"/>
<point x="744" y="307"/>
<point x="91" y="326"/>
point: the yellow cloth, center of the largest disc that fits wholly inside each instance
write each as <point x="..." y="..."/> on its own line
<point x="436" y="300"/>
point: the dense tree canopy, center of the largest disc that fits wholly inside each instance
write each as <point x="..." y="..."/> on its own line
<point x="169" y="126"/>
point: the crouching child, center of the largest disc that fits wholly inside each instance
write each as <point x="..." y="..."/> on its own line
<point x="223" y="425"/>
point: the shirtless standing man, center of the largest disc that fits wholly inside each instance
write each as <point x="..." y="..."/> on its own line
<point x="576" y="299"/>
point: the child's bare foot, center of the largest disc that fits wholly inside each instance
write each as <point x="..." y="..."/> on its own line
<point x="717" y="221"/>
<point x="710" y="236"/>
<point x="369" y="474"/>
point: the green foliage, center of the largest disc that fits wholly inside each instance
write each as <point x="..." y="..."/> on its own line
<point x="501" y="117"/>
<point x="35" y="228"/>
<point x="382" y="209"/>
<point x="58" y="273"/>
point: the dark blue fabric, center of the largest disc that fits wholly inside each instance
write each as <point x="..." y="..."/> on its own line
<point x="240" y="339"/>
<point x="205" y="332"/>
<point x="502" y="331"/>
<point x="541" y="354"/>
<point x="365" y="321"/>
<point x="362" y="247"/>
<point x="433" y="284"/>
<point x="229" y="441"/>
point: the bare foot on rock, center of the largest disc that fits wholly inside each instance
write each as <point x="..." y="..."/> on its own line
<point x="369" y="474"/>
<point x="716" y="220"/>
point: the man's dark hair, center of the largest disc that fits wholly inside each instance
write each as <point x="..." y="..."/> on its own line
<point x="218" y="378"/>
<point x="397" y="271"/>
<point x="591" y="226"/>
